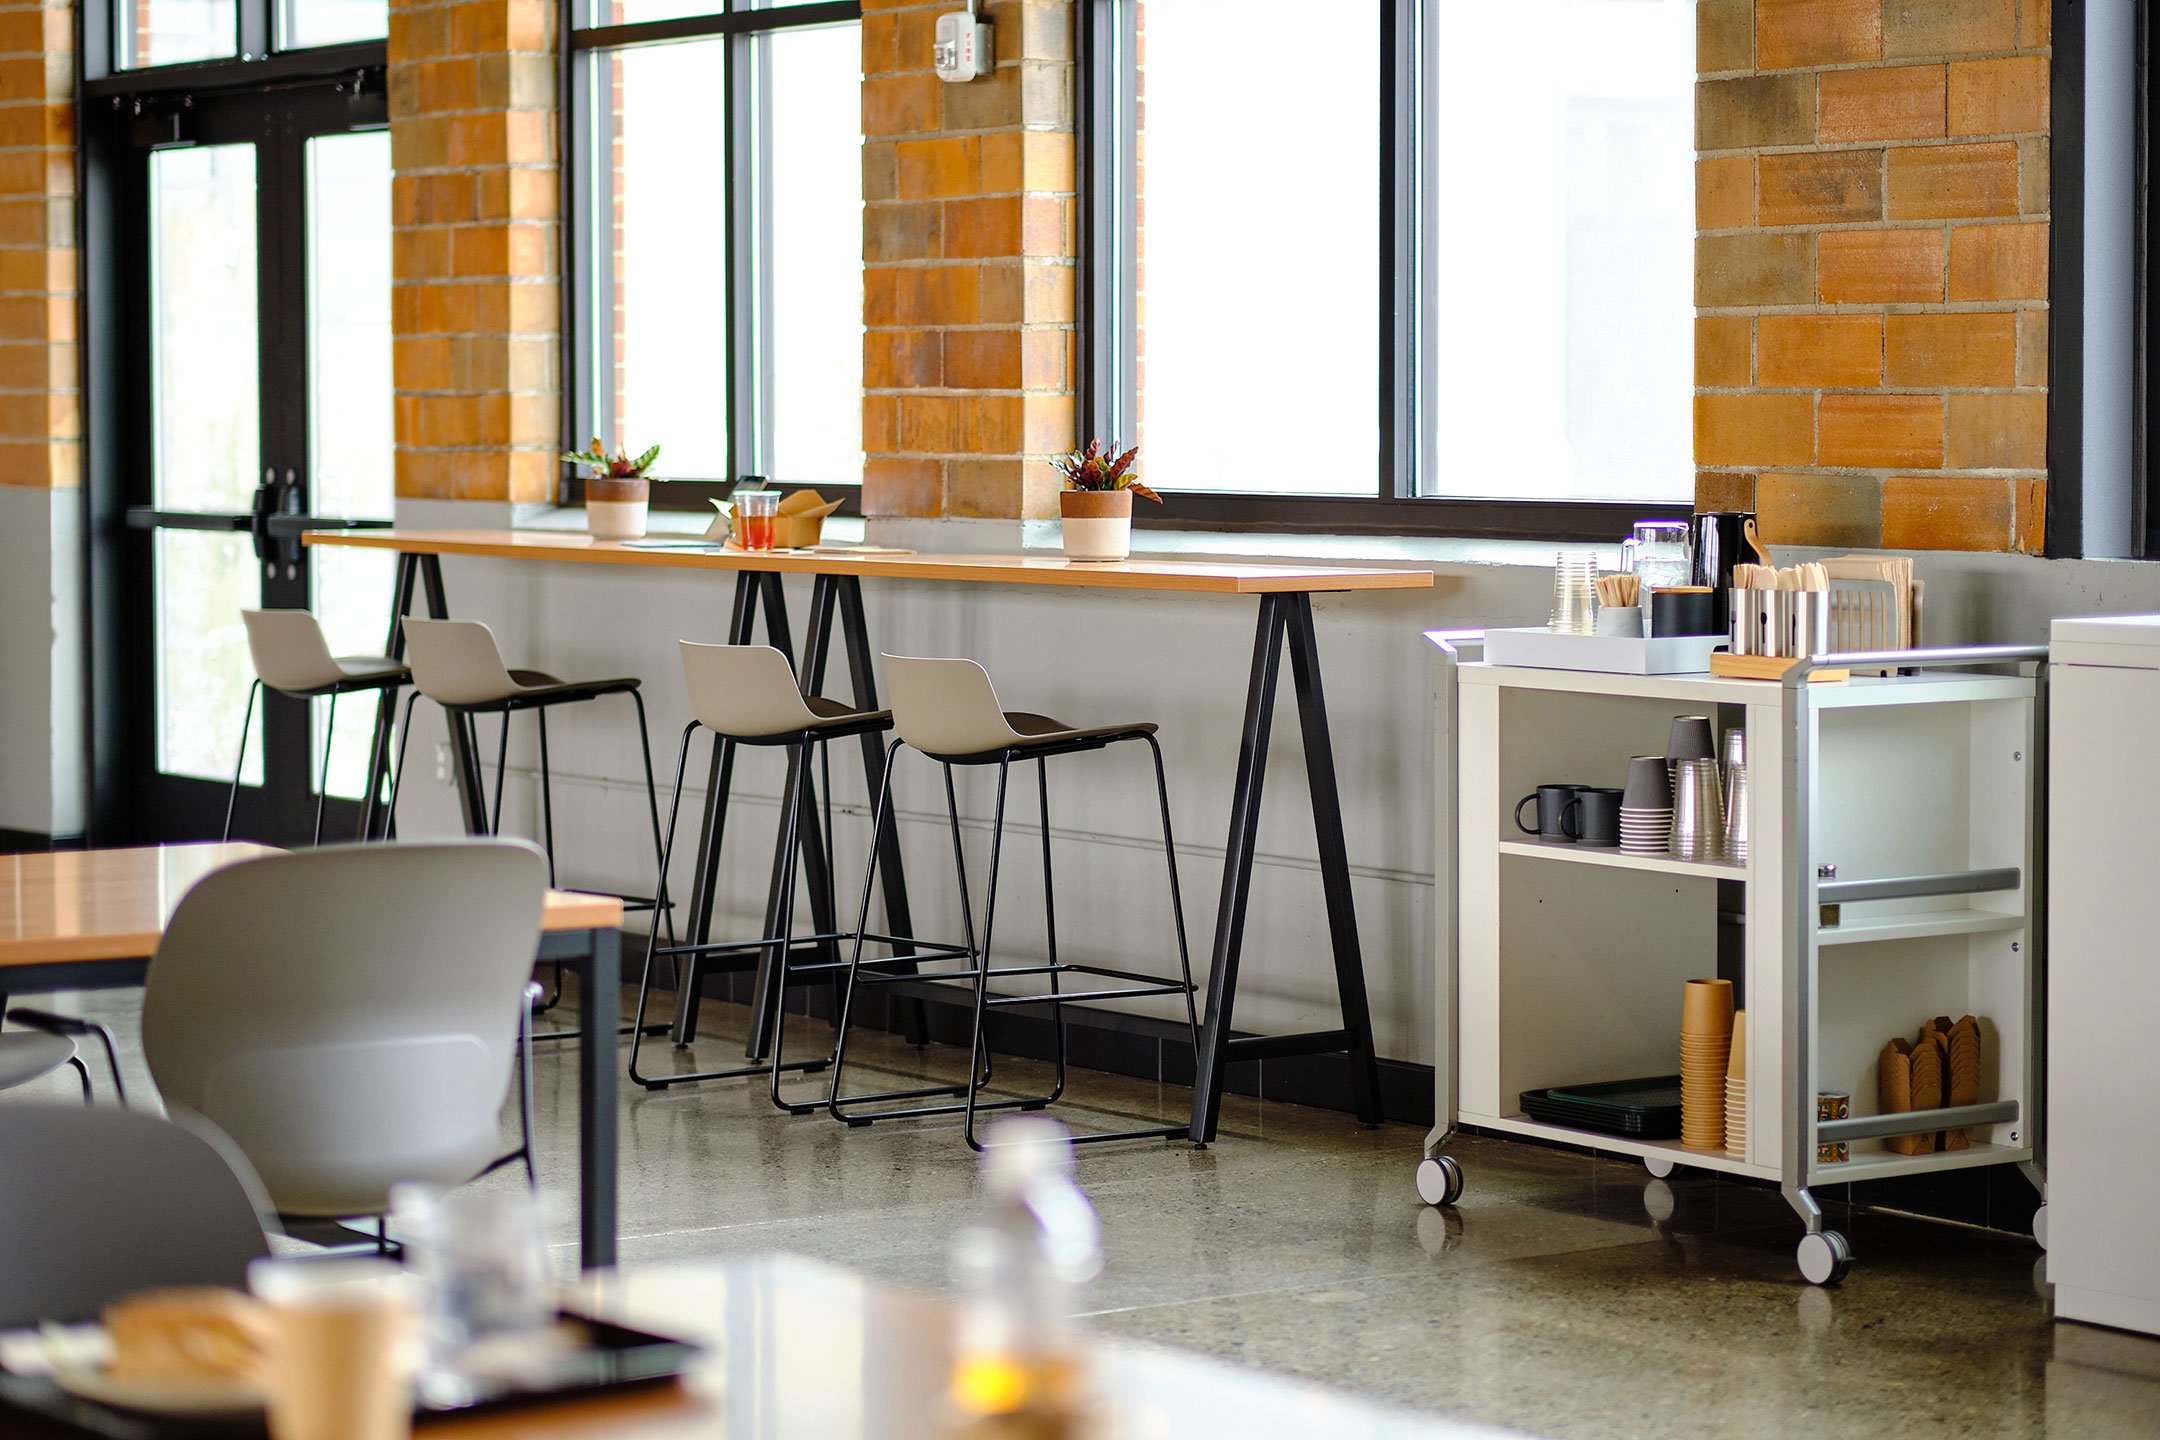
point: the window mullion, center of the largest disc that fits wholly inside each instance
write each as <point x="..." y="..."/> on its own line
<point x="257" y="27"/>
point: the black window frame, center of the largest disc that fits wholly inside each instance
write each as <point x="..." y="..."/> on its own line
<point x="747" y="281"/>
<point x="1406" y="315"/>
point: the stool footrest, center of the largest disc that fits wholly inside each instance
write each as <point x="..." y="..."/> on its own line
<point x="1268" y="1047"/>
<point x="1172" y="988"/>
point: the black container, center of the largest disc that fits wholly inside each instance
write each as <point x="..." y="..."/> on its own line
<point x="1719" y="542"/>
<point x="1685" y="612"/>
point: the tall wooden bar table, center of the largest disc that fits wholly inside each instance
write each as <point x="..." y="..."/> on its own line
<point x="91" y="920"/>
<point x="1285" y="624"/>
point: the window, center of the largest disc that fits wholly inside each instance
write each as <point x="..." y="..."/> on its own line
<point x="149" y="33"/>
<point x="698" y="140"/>
<point x="1411" y="277"/>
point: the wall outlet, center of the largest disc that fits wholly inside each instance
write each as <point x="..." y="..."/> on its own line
<point x="964" y="51"/>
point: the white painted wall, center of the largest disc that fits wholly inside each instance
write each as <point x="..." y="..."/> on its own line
<point x="41" y="674"/>
<point x="1091" y="657"/>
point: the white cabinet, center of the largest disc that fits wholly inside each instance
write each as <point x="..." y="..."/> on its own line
<point x="1569" y="962"/>
<point x="2104" y="972"/>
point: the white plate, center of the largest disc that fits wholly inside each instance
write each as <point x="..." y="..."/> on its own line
<point x="162" y="1397"/>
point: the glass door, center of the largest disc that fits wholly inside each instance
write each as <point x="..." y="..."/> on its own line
<point x="260" y="244"/>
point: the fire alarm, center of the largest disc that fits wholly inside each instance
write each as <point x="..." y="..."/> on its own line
<point x="964" y="50"/>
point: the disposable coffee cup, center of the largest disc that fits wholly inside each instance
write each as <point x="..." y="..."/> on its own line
<point x="343" y="1349"/>
<point x="1707" y="1008"/>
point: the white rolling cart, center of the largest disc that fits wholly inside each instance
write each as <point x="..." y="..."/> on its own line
<point x="1902" y="809"/>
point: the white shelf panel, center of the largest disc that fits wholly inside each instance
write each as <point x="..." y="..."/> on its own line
<point x="1927" y="688"/>
<point x="1616" y="860"/>
<point x="1882" y="1164"/>
<point x="1671" y="1150"/>
<point x="1918" y="925"/>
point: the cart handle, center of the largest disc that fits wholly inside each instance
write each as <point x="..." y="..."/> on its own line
<point x="1935" y="659"/>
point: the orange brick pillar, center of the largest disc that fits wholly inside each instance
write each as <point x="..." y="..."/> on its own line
<point x="1871" y="270"/>
<point x="968" y="244"/>
<point x="475" y="304"/>
<point x="40" y="388"/>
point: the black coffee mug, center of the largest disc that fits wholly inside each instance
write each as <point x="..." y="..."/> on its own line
<point x="1552" y="803"/>
<point x="1683" y="612"/>
<point x="1593" y="816"/>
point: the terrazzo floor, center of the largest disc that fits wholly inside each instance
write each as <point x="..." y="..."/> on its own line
<point x="1548" y="1301"/>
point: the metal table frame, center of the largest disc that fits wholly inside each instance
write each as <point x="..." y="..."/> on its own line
<point x="1285" y="623"/>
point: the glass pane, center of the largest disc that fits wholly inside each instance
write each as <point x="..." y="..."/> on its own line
<point x="661" y="366"/>
<point x="815" y="358"/>
<point x="204" y="392"/>
<point x="166" y="32"/>
<point x="1564" y="364"/>
<point x="352" y="600"/>
<point x="349" y="392"/>
<point x="203" y="579"/>
<point x="1233" y="323"/>
<point x="302" y="23"/>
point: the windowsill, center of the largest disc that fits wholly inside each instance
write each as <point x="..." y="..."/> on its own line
<point x="1443" y="553"/>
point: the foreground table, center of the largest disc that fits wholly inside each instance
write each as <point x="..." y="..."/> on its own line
<point x="91" y="919"/>
<point x="1284" y="596"/>
<point x="797" y="1349"/>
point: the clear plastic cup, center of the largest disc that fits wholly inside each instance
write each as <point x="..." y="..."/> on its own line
<point x="757" y="518"/>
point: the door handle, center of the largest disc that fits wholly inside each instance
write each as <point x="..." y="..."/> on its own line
<point x="259" y="512"/>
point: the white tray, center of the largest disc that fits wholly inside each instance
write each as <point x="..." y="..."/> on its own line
<point x="1538" y="648"/>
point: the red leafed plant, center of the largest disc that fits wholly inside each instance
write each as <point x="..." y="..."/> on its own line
<point x="1101" y="467"/>
<point x="618" y="466"/>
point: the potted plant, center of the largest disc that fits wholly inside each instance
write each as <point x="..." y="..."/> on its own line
<point x="1095" y="507"/>
<point x="617" y="494"/>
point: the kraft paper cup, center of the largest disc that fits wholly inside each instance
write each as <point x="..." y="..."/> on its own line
<point x="1736" y="1062"/>
<point x="1707" y="1008"/>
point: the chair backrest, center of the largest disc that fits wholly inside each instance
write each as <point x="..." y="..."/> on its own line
<point x="744" y="690"/>
<point x="456" y="662"/>
<point x="289" y="650"/>
<point x="946" y="707"/>
<point x="349" y="1015"/>
<point x="97" y="1203"/>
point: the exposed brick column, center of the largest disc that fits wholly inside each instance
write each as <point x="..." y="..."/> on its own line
<point x="475" y="298"/>
<point x="1871" y="269"/>
<point x="968" y="239"/>
<point x="40" y="391"/>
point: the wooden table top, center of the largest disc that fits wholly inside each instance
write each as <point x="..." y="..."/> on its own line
<point x="1206" y="577"/>
<point x="113" y="904"/>
<point x="798" y="1349"/>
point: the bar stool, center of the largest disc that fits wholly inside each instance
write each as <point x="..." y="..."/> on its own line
<point x="456" y="664"/>
<point x="947" y="710"/>
<point x="748" y="695"/>
<point x="292" y="658"/>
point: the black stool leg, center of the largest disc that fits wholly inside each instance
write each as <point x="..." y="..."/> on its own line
<point x="1057" y="1011"/>
<point x="782" y="952"/>
<point x="652" y="939"/>
<point x="862" y="923"/>
<point x="663" y="910"/>
<point x="322" y="783"/>
<point x="397" y="772"/>
<point x="1177" y="898"/>
<point x="978" y="1046"/>
<point x="247" y="718"/>
<point x="502" y="769"/>
<point x="547" y="804"/>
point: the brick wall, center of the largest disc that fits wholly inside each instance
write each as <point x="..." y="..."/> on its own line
<point x="475" y="299"/>
<point x="969" y="283"/>
<point x="40" y="396"/>
<point x="1871" y="272"/>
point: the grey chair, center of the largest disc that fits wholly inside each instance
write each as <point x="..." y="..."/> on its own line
<point x="352" y="1016"/>
<point x="748" y="695"/>
<point x="97" y="1204"/>
<point x="51" y="1044"/>
<point x="292" y="658"/>
<point x="948" y="710"/>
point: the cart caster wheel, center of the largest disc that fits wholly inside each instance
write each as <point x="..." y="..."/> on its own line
<point x="1659" y="1202"/>
<point x="1659" y="1166"/>
<point x="1824" y="1257"/>
<point x="1439" y="1180"/>
<point x="2040" y="1226"/>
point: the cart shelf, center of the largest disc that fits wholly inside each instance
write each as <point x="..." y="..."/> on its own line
<point x="1616" y="860"/>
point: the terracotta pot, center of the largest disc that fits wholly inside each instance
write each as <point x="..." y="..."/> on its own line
<point x="616" y="509"/>
<point x="1096" y="524"/>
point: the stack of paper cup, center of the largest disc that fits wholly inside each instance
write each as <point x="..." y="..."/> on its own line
<point x="1706" y="1028"/>
<point x="1736" y="1090"/>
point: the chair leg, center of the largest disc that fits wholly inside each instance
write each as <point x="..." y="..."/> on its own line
<point x="1057" y="1011"/>
<point x="82" y="1072"/>
<point x="322" y="784"/>
<point x="525" y="1089"/>
<point x="977" y="1041"/>
<point x="798" y="800"/>
<point x="1177" y="898"/>
<point x="112" y="1059"/>
<point x="663" y="911"/>
<point x="247" y="718"/>
<point x="684" y="965"/>
<point x="976" y="1079"/>
<point x="397" y="773"/>
<point x="547" y="799"/>
<point x="502" y="768"/>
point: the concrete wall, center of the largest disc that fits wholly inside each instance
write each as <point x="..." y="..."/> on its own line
<point x="41" y="698"/>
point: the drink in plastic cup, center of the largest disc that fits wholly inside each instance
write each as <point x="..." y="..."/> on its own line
<point x="341" y="1363"/>
<point x="756" y="521"/>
